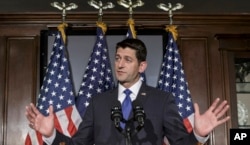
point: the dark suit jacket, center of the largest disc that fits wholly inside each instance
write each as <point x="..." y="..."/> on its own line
<point x="162" y="118"/>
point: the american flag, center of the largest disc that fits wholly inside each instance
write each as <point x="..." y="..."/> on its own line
<point x="172" y="79"/>
<point x="57" y="90"/>
<point x="131" y="34"/>
<point x="98" y="75"/>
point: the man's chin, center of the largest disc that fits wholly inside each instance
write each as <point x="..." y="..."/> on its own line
<point x="121" y="81"/>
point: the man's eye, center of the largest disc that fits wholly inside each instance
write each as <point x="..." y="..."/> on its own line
<point x="128" y="60"/>
<point x="117" y="58"/>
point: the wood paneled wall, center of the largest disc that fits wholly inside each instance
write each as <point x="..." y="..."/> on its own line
<point x="19" y="59"/>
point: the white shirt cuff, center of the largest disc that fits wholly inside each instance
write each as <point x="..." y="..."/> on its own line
<point x="201" y="139"/>
<point x="49" y="140"/>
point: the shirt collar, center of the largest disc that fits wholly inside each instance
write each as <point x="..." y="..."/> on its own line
<point x="134" y="89"/>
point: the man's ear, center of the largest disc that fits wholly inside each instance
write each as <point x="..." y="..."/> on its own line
<point x="143" y="66"/>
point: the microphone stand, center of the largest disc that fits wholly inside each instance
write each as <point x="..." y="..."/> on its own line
<point x="128" y="136"/>
<point x="116" y="116"/>
<point x="128" y="133"/>
<point x="139" y="116"/>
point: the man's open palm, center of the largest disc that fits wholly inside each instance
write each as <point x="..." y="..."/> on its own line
<point x="213" y="117"/>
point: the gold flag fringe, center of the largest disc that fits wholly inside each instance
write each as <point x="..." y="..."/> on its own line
<point x="61" y="28"/>
<point x="131" y="24"/>
<point x="173" y="30"/>
<point x="103" y="26"/>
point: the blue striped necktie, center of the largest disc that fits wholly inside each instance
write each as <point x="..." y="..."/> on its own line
<point x="126" y="106"/>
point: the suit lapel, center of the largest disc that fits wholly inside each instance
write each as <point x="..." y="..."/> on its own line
<point x="140" y="99"/>
<point x="142" y="94"/>
<point x="114" y="97"/>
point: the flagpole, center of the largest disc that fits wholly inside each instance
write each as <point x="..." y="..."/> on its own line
<point x="130" y="5"/>
<point x="169" y="8"/>
<point x="99" y="5"/>
<point x="64" y="8"/>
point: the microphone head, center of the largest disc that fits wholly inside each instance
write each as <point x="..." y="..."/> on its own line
<point x="139" y="113"/>
<point x="116" y="113"/>
<point x="138" y="110"/>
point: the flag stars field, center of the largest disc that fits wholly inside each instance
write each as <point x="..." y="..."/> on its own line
<point x="98" y="75"/>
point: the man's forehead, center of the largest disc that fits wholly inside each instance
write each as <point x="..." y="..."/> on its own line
<point x="125" y="50"/>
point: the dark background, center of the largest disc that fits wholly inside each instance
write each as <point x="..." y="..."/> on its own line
<point x="190" y="6"/>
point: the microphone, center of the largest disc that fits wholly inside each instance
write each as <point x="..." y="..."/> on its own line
<point x="116" y="116"/>
<point x="139" y="115"/>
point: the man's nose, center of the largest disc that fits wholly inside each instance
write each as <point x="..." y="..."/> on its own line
<point x="121" y="63"/>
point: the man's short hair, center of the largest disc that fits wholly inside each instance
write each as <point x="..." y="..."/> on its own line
<point x="137" y="45"/>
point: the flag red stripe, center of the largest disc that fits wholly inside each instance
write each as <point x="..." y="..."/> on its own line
<point x="39" y="138"/>
<point x="188" y="125"/>
<point x="28" y="140"/>
<point x="57" y="124"/>
<point x="71" y="126"/>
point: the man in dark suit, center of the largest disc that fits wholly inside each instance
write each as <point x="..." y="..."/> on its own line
<point x="162" y="118"/>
